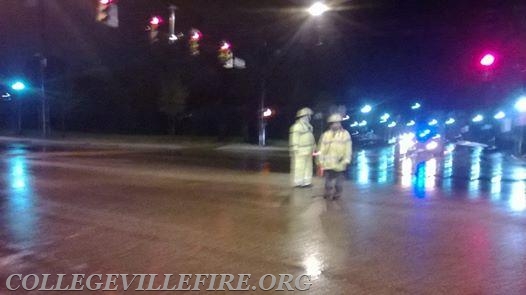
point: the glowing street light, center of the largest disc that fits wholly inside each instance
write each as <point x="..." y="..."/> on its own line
<point x="478" y="118"/>
<point x="363" y="123"/>
<point x="392" y="124"/>
<point x="450" y="121"/>
<point x="410" y="123"/>
<point x="318" y="9"/>
<point x="18" y="86"/>
<point x="416" y="106"/>
<point x="424" y="133"/>
<point x="355" y="124"/>
<point x="366" y="109"/>
<point x="520" y="105"/>
<point x="384" y="118"/>
<point x="500" y="115"/>
<point x="432" y="122"/>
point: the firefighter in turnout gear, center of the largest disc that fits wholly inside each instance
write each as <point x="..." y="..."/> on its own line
<point x="335" y="151"/>
<point x="302" y="145"/>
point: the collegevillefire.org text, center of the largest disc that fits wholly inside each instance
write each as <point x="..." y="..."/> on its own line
<point x="156" y="282"/>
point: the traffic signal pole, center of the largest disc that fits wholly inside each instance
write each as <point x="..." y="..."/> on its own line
<point x="262" y="131"/>
<point x="43" y="65"/>
<point x="19" y="117"/>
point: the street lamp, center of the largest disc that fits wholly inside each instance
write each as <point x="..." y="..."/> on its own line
<point x="416" y="106"/>
<point x="478" y="118"/>
<point x="500" y="115"/>
<point x="384" y="118"/>
<point x="318" y="9"/>
<point x="520" y="105"/>
<point x="366" y="109"/>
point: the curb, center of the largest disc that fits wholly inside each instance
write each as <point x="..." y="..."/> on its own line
<point x="84" y="143"/>
<point x="141" y="146"/>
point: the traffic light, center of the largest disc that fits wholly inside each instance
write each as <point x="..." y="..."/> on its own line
<point x="487" y="66"/>
<point x="18" y="86"/>
<point x="267" y="113"/>
<point x="108" y="13"/>
<point x="153" y="28"/>
<point x="225" y="53"/>
<point x="195" y="37"/>
<point x="487" y="60"/>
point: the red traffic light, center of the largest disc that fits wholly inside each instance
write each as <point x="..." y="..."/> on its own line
<point x="196" y="35"/>
<point x="225" y="45"/>
<point x="487" y="60"/>
<point x="267" y="113"/>
<point x="155" y="20"/>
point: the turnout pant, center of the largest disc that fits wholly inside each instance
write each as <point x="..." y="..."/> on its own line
<point x="301" y="169"/>
<point x="334" y="181"/>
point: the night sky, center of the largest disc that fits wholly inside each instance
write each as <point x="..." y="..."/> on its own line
<point x="388" y="52"/>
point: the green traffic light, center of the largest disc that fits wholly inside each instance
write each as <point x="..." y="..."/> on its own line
<point x="18" y="86"/>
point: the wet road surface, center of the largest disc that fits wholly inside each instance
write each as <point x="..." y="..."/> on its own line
<point x="449" y="225"/>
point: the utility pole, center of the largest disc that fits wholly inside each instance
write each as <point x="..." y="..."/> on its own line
<point x="265" y="72"/>
<point x="268" y="63"/>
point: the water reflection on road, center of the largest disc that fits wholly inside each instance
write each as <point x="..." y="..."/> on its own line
<point x="18" y="206"/>
<point x="464" y="172"/>
<point x="470" y="172"/>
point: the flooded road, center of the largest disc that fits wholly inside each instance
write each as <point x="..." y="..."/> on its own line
<point x="454" y="224"/>
<point x="465" y="172"/>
